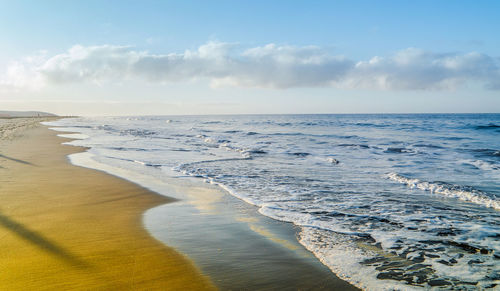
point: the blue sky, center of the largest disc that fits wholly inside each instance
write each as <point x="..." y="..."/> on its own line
<point x="325" y="56"/>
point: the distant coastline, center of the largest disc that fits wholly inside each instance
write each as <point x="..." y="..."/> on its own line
<point x="23" y="114"/>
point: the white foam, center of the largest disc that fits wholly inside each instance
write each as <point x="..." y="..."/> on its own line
<point x="74" y="135"/>
<point x="234" y="193"/>
<point x="455" y="192"/>
<point x="485" y="166"/>
<point x="276" y="183"/>
<point x="342" y="256"/>
<point x="86" y="160"/>
<point x="333" y="161"/>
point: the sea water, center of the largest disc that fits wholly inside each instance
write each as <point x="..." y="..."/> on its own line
<point x="385" y="201"/>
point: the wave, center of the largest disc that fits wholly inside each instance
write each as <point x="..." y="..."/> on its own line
<point x="257" y="151"/>
<point x="147" y="164"/>
<point x="374" y="241"/>
<point x="138" y="132"/>
<point x="82" y="126"/>
<point x="131" y="149"/>
<point x="364" y="124"/>
<point x="398" y="150"/>
<point x="464" y="193"/>
<point x="489" y="126"/>
<point x="299" y="154"/>
<point x="136" y="161"/>
<point x="354" y="145"/>
<point x="487" y="152"/>
<point x="184" y="168"/>
<point x="431" y="146"/>
<point x="212" y="122"/>
<point x="486" y="166"/>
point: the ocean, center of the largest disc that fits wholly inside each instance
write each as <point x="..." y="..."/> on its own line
<point x="386" y="201"/>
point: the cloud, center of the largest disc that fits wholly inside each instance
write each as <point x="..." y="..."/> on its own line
<point x="285" y="67"/>
<point x="23" y="73"/>
<point x="414" y="69"/>
<point x="269" y="66"/>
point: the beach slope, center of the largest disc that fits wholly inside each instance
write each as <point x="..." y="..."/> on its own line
<point x="66" y="227"/>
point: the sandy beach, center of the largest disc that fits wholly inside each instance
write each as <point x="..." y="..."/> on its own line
<point x="66" y="227"/>
<point x="249" y="145"/>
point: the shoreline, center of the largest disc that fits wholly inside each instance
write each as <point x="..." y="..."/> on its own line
<point x="237" y="247"/>
<point x="63" y="226"/>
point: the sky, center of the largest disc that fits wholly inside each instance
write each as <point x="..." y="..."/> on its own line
<point x="249" y="57"/>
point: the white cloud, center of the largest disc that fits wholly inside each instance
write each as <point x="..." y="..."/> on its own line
<point x="269" y="66"/>
<point x="97" y="64"/>
<point x="414" y="69"/>
<point x="23" y="73"/>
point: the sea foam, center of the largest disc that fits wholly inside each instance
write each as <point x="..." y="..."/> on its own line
<point x="365" y="228"/>
<point x="465" y="193"/>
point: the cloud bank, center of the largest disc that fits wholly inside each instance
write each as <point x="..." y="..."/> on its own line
<point x="269" y="66"/>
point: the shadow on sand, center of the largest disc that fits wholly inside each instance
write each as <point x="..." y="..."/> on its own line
<point x="42" y="242"/>
<point x="16" y="160"/>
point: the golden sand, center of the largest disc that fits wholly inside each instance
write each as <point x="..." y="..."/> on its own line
<point x="66" y="227"/>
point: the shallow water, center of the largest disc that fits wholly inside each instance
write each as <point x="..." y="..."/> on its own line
<point x="385" y="201"/>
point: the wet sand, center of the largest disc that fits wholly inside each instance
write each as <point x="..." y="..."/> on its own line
<point x="67" y="227"/>
<point x="239" y="248"/>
